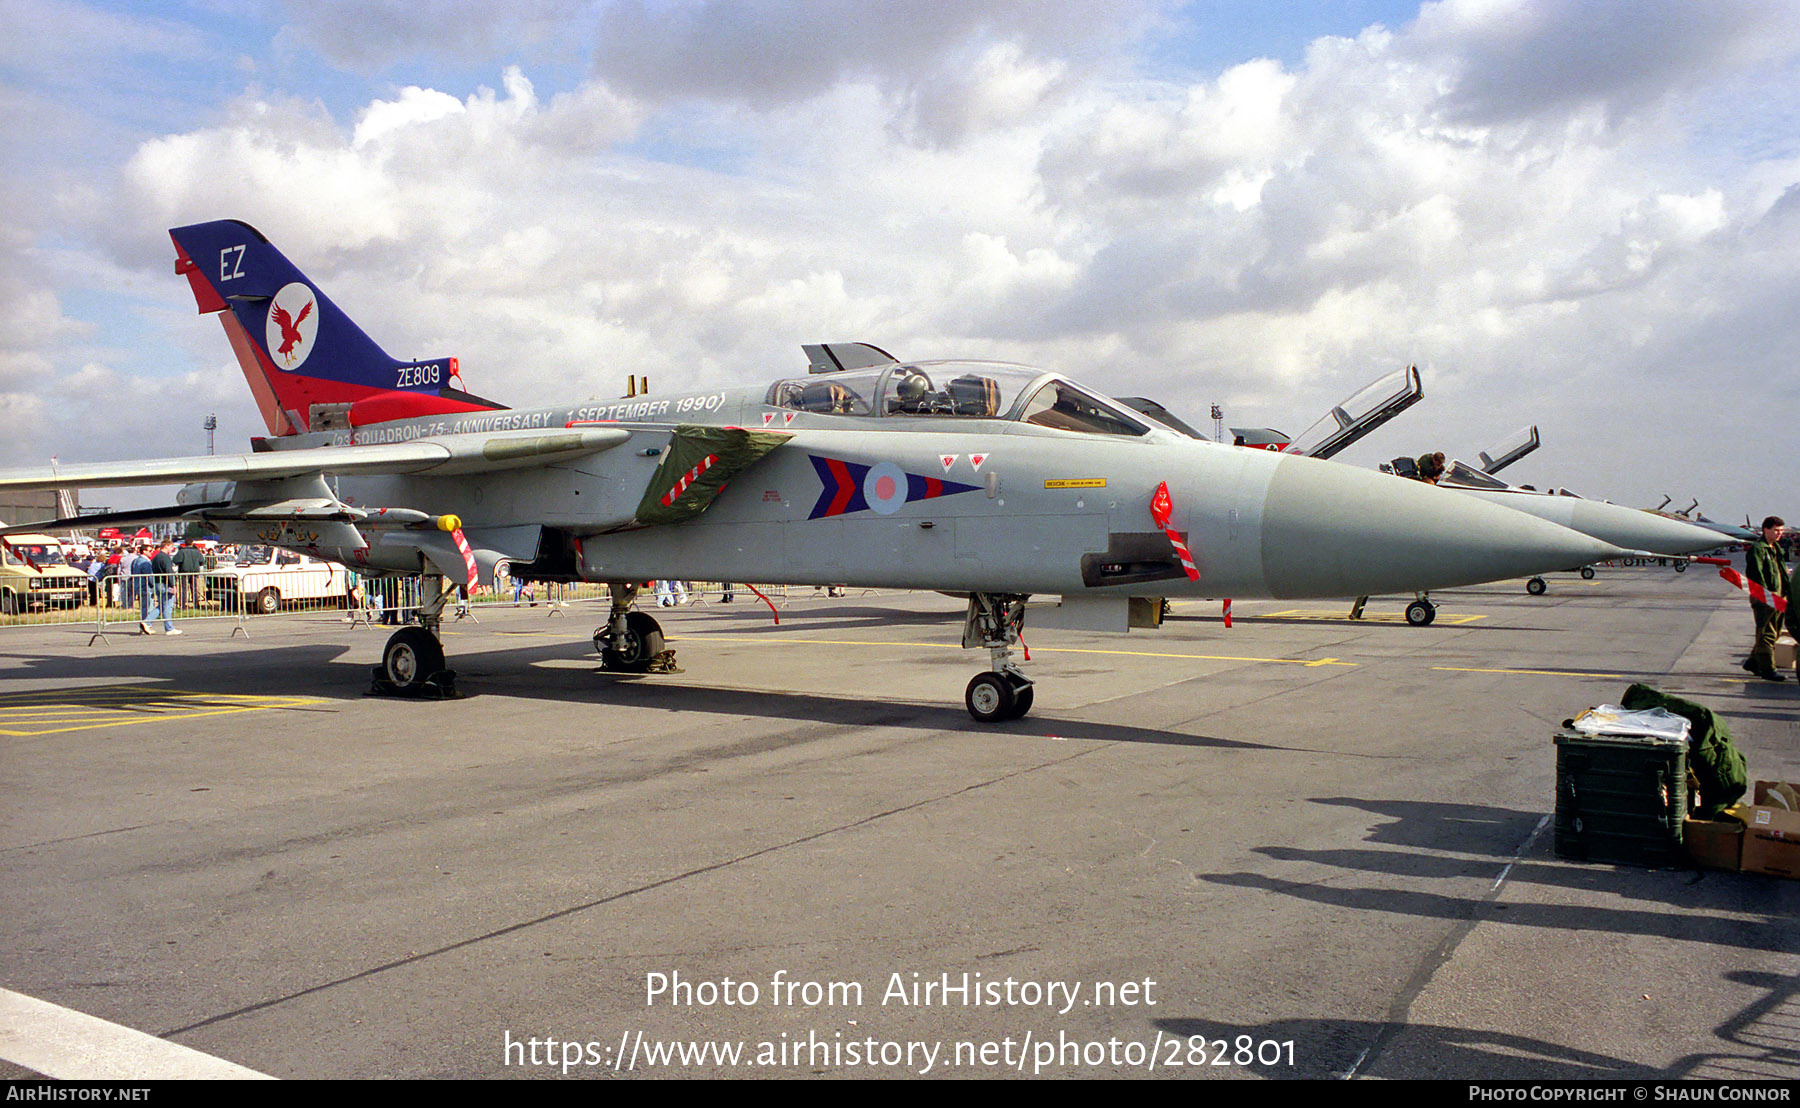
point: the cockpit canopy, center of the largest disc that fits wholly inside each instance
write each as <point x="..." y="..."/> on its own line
<point x="967" y="390"/>
<point x="1463" y="475"/>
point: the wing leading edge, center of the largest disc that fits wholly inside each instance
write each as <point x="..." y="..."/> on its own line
<point x="446" y="456"/>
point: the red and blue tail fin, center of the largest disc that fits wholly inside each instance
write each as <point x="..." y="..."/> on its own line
<point x="310" y="367"/>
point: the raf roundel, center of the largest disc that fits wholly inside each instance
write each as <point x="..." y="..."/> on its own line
<point x="885" y="488"/>
<point x="293" y="325"/>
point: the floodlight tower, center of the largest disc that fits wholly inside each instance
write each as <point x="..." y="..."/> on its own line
<point x="211" y="425"/>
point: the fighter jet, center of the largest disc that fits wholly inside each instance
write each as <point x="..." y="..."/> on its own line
<point x="1693" y="514"/>
<point x="1639" y="532"/>
<point x="991" y="479"/>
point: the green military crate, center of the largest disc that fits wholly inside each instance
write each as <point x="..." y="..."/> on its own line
<point x="1620" y="798"/>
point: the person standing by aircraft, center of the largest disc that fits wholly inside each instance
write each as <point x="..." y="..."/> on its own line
<point x="138" y="586"/>
<point x="1763" y="565"/>
<point x="189" y="562"/>
<point x="162" y="567"/>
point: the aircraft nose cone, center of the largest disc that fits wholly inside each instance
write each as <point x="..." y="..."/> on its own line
<point x="1635" y="530"/>
<point x="1333" y="530"/>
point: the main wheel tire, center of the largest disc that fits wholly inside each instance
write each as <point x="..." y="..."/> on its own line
<point x="1681" y="567"/>
<point x="1420" y="612"/>
<point x="412" y="654"/>
<point x="990" y="698"/>
<point x="1022" y="697"/>
<point x="641" y="643"/>
<point x="1536" y="586"/>
<point x="1587" y="573"/>
<point x="268" y="601"/>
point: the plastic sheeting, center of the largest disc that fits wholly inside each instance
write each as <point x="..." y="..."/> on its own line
<point x="1610" y="719"/>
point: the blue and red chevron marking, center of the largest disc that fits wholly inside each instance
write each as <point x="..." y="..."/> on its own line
<point x="844" y="487"/>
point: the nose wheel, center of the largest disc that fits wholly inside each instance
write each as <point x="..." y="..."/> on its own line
<point x="1421" y="612"/>
<point x="1536" y="586"/>
<point x="992" y="697"/>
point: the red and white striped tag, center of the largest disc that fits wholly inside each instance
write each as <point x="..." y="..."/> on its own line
<point x="1161" y="510"/>
<point x="1779" y="603"/>
<point x="462" y="547"/>
<point x="687" y="479"/>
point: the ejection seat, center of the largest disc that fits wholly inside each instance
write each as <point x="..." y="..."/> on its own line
<point x="972" y="395"/>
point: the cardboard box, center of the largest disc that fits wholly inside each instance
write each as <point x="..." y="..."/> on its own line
<point x="1784" y="652"/>
<point x="1771" y="835"/>
<point x="1714" y="844"/>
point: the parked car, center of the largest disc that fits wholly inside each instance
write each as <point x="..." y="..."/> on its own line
<point x="267" y="577"/>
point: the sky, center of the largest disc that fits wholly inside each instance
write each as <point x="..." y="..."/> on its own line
<point x="1579" y="214"/>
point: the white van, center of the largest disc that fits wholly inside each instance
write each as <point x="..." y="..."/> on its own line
<point x="34" y="575"/>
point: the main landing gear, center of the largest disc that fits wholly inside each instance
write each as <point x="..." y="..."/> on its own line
<point x="412" y="662"/>
<point x="1537" y="586"/>
<point x="630" y="641"/>
<point x="995" y="621"/>
<point x="1421" y="611"/>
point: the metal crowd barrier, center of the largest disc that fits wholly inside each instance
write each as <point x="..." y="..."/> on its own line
<point x="120" y="603"/>
<point x="160" y="602"/>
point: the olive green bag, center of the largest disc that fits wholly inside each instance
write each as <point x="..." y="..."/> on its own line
<point x="1716" y="764"/>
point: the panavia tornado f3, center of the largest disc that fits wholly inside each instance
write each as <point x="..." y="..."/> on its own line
<point x="996" y="480"/>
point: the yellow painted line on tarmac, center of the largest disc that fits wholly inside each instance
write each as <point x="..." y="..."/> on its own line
<point x="779" y="637"/>
<point x="1344" y="617"/>
<point x="783" y="639"/>
<point x="53" y="711"/>
<point x="1540" y="672"/>
<point x="1201" y="657"/>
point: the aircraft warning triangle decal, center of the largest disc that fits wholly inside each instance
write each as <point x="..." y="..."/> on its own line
<point x="881" y="488"/>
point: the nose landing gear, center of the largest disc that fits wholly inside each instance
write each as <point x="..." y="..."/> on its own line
<point x="995" y="620"/>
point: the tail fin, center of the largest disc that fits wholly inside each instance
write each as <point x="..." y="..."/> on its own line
<point x="309" y="366"/>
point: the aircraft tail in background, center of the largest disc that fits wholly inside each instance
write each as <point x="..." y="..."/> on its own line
<point x="310" y="367"/>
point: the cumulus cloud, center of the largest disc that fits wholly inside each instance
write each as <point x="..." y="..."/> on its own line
<point x="770" y="52"/>
<point x="1516" y="59"/>
<point x="367" y="36"/>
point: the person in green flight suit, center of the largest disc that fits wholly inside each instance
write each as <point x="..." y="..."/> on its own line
<point x="1763" y="565"/>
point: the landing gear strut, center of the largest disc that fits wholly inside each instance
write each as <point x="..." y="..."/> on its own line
<point x="412" y="662"/>
<point x="630" y="641"/>
<point x="995" y="621"/>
